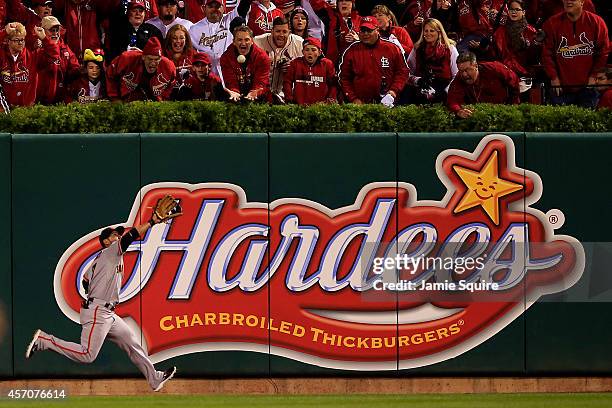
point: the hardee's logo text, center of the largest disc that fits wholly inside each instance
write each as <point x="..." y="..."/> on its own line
<point x="298" y="279"/>
<point x="585" y="47"/>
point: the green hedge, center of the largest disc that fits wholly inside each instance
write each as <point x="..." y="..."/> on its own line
<point x="220" y="117"/>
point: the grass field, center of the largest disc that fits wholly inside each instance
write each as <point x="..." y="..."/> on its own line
<point x="333" y="401"/>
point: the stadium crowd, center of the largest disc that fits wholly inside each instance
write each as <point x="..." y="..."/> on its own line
<point x="456" y="52"/>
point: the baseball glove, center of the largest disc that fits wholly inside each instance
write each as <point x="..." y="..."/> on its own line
<point x="166" y="208"/>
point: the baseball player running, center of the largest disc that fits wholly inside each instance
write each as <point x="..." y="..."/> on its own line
<point x="102" y="283"/>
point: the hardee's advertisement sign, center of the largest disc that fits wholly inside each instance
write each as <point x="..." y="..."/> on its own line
<point x="387" y="278"/>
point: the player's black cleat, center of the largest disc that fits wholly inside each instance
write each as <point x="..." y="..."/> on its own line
<point x="32" y="347"/>
<point x="168" y="374"/>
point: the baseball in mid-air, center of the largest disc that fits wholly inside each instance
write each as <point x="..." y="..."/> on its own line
<point x="241" y="59"/>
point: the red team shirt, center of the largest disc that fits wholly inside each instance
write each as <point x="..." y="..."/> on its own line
<point x="19" y="76"/>
<point x="260" y="19"/>
<point x="366" y="71"/>
<point x="126" y="73"/>
<point x="574" y="51"/>
<point x="496" y="83"/>
<point x="253" y="74"/>
<point x="306" y="84"/>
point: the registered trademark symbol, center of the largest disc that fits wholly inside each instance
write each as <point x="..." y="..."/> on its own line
<point x="461" y="322"/>
<point x="555" y="218"/>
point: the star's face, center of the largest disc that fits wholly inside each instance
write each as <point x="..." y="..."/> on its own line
<point x="484" y="188"/>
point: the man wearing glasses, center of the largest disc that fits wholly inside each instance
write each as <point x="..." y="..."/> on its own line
<point x="372" y="70"/>
<point x="19" y="65"/>
<point x="56" y="71"/>
<point x="487" y="82"/>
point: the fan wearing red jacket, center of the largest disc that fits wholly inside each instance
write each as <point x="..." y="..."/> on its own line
<point x="310" y="78"/>
<point x="487" y="82"/>
<point x="55" y="74"/>
<point x="201" y="84"/>
<point x="415" y="14"/>
<point x="373" y="69"/>
<point x="90" y="86"/>
<point x="245" y="68"/>
<point x="516" y="41"/>
<point x="474" y="23"/>
<point x="575" y="49"/>
<point x="29" y="17"/>
<point x="389" y="30"/>
<point x="19" y="66"/>
<point x="341" y="26"/>
<point x="261" y="16"/>
<point x="141" y="75"/>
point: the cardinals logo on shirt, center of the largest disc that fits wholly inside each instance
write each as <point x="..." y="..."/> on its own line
<point x="21" y="74"/>
<point x="585" y="47"/>
<point x="384" y="62"/>
<point x="162" y="84"/>
<point x="128" y="79"/>
<point x="263" y="23"/>
<point x="211" y="40"/>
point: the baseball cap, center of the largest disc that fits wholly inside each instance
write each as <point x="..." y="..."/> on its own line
<point x="107" y="232"/>
<point x="369" y="22"/>
<point x="221" y="2"/>
<point x="136" y="3"/>
<point x="201" y="57"/>
<point x="312" y="41"/>
<point x="164" y="2"/>
<point x="298" y="10"/>
<point x="153" y="47"/>
<point x="48" y="3"/>
<point x="50" y="21"/>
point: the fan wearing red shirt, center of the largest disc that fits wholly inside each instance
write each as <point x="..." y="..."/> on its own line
<point x="372" y="70"/>
<point x="245" y="68"/>
<point x="141" y="75"/>
<point x="19" y="66"/>
<point x="487" y="82"/>
<point x="310" y="78"/>
<point x="575" y="49"/>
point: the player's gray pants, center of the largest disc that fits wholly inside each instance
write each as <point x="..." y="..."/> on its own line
<point x="98" y="322"/>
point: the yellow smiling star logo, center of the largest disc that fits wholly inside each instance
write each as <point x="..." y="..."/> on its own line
<point x="484" y="188"/>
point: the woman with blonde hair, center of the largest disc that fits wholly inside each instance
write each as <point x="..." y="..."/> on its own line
<point x="178" y="49"/>
<point x="390" y="30"/>
<point x="432" y="63"/>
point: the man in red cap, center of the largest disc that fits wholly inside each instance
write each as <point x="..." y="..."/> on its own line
<point x="212" y="34"/>
<point x="141" y="75"/>
<point x="245" y="68"/>
<point x="311" y="78"/>
<point x="372" y="70"/>
<point x="201" y="84"/>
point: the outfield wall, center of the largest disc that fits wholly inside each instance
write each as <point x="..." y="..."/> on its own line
<point x="59" y="190"/>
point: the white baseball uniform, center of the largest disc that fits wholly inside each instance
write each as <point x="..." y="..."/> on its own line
<point x="213" y="38"/>
<point x="98" y="319"/>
